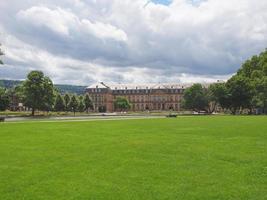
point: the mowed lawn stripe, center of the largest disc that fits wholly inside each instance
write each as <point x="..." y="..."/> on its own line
<point x="184" y="158"/>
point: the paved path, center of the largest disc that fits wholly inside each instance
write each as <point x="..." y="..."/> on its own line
<point x="78" y="118"/>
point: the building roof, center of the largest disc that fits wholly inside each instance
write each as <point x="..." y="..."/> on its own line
<point x="141" y="86"/>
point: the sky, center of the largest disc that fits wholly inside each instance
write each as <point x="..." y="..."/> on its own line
<point x="130" y="41"/>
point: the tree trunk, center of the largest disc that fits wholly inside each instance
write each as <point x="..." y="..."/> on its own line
<point x="33" y="111"/>
<point x="233" y="111"/>
<point x="214" y="108"/>
<point x="250" y="111"/>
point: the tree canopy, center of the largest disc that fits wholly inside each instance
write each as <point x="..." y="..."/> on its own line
<point x="195" y="98"/>
<point x="4" y="99"/>
<point x="74" y="104"/>
<point x="121" y="104"/>
<point x="239" y="93"/>
<point x="67" y="101"/>
<point x="59" y="103"/>
<point x="38" y="91"/>
<point x="88" y="103"/>
<point x="252" y="80"/>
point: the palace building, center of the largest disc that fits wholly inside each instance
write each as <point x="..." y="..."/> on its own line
<point x="142" y="97"/>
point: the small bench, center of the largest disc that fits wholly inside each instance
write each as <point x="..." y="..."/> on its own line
<point x="2" y="119"/>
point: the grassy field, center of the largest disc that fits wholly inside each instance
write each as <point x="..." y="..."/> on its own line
<point x="188" y="158"/>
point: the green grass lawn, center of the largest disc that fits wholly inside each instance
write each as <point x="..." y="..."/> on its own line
<point x="196" y="158"/>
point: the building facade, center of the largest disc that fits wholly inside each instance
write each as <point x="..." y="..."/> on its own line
<point x="142" y="97"/>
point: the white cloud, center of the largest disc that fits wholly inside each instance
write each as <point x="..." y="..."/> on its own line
<point x="103" y="30"/>
<point x="57" y="20"/>
<point x="133" y="41"/>
<point x="63" y="21"/>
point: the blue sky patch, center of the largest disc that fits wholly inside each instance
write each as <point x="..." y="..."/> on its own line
<point x="168" y="2"/>
<point x="164" y="2"/>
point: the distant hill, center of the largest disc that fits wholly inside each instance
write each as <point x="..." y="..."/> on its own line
<point x="61" y="88"/>
<point x="70" y="89"/>
<point x="9" y="83"/>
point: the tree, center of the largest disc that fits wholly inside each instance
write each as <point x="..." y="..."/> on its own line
<point x="265" y="69"/>
<point x="220" y="94"/>
<point x="1" y="54"/>
<point x="81" y="106"/>
<point x="247" y="89"/>
<point x="259" y="94"/>
<point x="4" y="99"/>
<point x="38" y="91"/>
<point x="59" y="103"/>
<point x="121" y="104"/>
<point x="88" y="103"/>
<point x="195" y="98"/>
<point x="211" y="98"/>
<point x="67" y="101"/>
<point x="74" y="104"/>
<point x="19" y="93"/>
<point x="15" y="97"/>
<point x="240" y="93"/>
<point x="49" y="95"/>
<point x="102" y="109"/>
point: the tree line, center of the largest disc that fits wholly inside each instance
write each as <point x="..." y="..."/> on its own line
<point x="37" y="92"/>
<point x="245" y="92"/>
